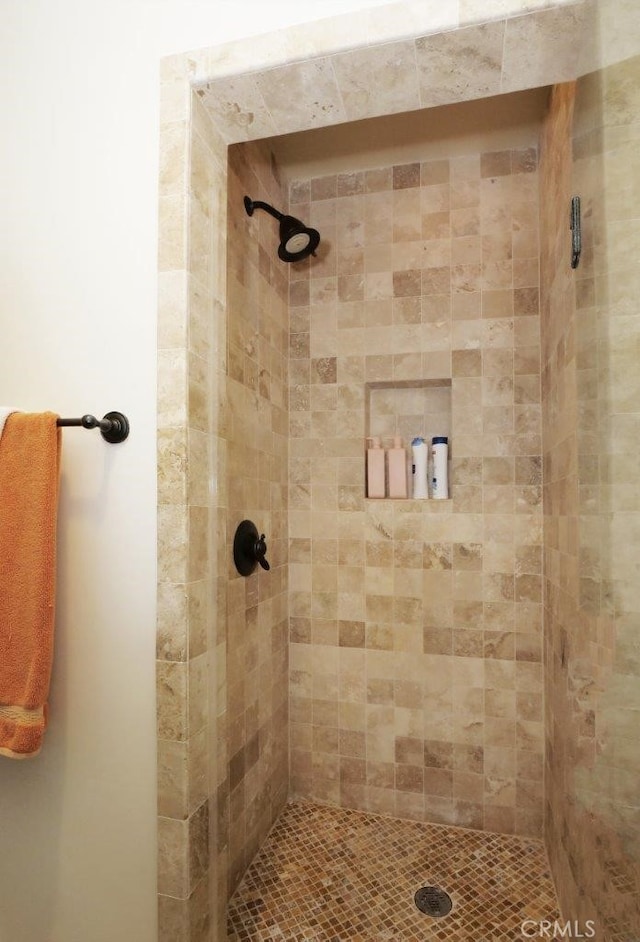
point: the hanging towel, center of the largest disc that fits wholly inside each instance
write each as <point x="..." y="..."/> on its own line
<point x="29" y="475"/>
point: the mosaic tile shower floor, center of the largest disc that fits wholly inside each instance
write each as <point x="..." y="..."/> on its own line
<point x="330" y="875"/>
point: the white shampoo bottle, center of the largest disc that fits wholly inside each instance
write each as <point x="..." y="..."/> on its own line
<point x="440" y="479"/>
<point x="420" y="453"/>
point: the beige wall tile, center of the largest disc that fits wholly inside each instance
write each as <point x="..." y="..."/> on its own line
<point x="379" y="80"/>
<point x="478" y="72"/>
<point x="531" y="52"/>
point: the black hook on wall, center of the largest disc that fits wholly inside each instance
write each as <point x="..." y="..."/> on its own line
<point x="576" y="232"/>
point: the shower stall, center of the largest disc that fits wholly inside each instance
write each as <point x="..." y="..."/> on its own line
<point x="470" y="662"/>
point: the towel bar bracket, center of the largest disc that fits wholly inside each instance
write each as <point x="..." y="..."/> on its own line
<point x="117" y="430"/>
<point x="114" y="426"/>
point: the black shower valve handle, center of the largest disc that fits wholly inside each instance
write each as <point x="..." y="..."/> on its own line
<point x="249" y="548"/>
<point x="261" y="552"/>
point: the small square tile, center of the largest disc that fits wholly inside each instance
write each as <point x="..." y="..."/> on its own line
<point x="296" y="887"/>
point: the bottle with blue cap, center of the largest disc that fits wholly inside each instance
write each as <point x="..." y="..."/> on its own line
<point x="439" y="457"/>
<point x="420" y="452"/>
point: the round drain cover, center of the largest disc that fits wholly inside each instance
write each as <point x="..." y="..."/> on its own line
<point x="433" y="901"/>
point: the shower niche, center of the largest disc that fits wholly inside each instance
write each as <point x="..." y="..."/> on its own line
<point x="408" y="408"/>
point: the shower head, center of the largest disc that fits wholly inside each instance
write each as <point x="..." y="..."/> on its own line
<point x="297" y="241"/>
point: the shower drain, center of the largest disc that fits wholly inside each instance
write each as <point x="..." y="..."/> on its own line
<point x="433" y="901"/>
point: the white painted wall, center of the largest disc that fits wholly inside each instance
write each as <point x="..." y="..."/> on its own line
<point x="78" y="235"/>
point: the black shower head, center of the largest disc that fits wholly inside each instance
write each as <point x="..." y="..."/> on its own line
<point x="297" y="241"/>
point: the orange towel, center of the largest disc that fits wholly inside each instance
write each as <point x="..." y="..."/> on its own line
<point x="29" y="475"/>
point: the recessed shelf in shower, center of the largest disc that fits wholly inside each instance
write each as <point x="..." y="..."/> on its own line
<point x="408" y="408"/>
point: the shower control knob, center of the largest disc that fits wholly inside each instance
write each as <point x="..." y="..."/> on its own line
<point x="260" y="551"/>
<point x="249" y="549"/>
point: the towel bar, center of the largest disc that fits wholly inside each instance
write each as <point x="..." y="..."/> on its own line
<point x="114" y="426"/>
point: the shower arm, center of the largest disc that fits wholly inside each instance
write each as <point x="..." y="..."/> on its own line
<point x="250" y="205"/>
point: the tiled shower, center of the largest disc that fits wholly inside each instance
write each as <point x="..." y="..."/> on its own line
<point x="469" y="662"/>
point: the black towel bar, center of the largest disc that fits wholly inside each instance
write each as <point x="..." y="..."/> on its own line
<point x="114" y="426"/>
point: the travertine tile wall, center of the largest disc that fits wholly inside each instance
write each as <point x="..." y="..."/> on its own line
<point x="190" y="666"/>
<point x="256" y="398"/>
<point x="416" y="675"/>
<point x="590" y="330"/>
<point x="222" y="456"/>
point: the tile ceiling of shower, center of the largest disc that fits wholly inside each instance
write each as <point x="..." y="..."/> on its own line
<point x="502" y="122"/>
<point x="476" y="61"/>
